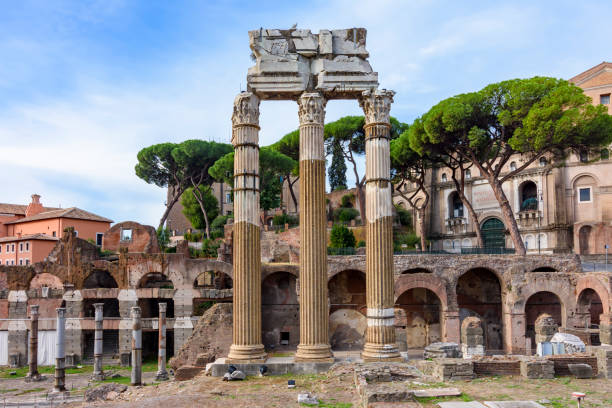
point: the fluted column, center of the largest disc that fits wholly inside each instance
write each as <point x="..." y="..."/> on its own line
<point x="33" y="374"/>
<point x="380" y="342"/>
<point x="162" y="373"/>
<point x="246" y="344"/>
<point x="314" y="309"/>
<point x="98" y="374"/>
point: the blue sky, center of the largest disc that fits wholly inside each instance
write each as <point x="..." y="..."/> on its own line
<point x="84" y="85"/>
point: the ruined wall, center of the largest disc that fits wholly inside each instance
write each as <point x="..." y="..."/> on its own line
<point x="143" y="238"/>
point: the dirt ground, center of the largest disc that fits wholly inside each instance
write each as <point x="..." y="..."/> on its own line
<point x="337" y="390"/>
<point x="334" y="390"/>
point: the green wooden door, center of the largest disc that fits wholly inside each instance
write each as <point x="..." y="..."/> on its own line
<point x="493" y="232"/>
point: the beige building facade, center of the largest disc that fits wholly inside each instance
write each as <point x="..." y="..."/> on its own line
<point x="557" y="208"/>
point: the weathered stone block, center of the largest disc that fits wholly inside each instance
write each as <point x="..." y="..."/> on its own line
<point x="581" y="370"/>
<point x="537" y="368"/>
<point x="442" y="350"/>
<point x="187" y="372"/>
<point x="604" y="361"/>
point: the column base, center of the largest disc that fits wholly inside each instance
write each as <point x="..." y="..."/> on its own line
<point x="381" y="352"/>
<point x="314" y="353"/>
<point x="34" y="378"/>
<point x="162" y="376"/>
<point x="98" y="376"/>
<point x="246" y="354"/>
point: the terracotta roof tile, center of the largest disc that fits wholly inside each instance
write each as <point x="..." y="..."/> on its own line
<point x="41" y="237"/>
<point x="19" y="209"/>
<point x="73" y="212"/>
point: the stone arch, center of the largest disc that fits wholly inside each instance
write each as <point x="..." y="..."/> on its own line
<point x="213" y="280"/>
<point x="591" y="282"/>
<point x="556" y="288"/>
<point x="155" y="280"/>
<point x="280" y="310"/>
<point x="99" y="278"/>
<point x="337" y="268"/>
<point x="419" y="280"/>
<point x="347" y="289"/>
<point x="479" y="292"/>
<point x="420" y="320"/>
<point x="589" y="307"/>
<point x="269" y="269"/>
<point x="194" y="267"/>
<point x="45" y="279"/>
<point x="540" y="302"/>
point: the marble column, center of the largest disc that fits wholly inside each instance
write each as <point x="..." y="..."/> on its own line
<point x="98" y="374"/>
<point x="162" y="374"/>
<point x="33" y="374"/>
<point x="246" y="344"/>
<point x="60" y="352"/>
<point x="380" y="342"/>
<point x="136" y="378"/>
<point x="314" y="308"/>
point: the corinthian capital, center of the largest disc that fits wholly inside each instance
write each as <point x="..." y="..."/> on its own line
<point x="376" y="105"/>
<point x="311" y="108"/>
<point x="246" y="109"/>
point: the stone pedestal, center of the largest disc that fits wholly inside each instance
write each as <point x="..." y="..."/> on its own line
<point x="136" y="378"/>
<point x="246" y="344"/>
<point x="472" y="338"/>
<point x="127" y="300"/>
<point x="98" y="374"/>
<point x="451" y="327"/>
<point x="33" y="374"/>
<point x="314" y="310"/>
<point x="17" y="328"/>
<point x="74" y="331"/>
<point x="605" y="329"/>
<point x="162" y="374"/>
<point x="380" y="342"/>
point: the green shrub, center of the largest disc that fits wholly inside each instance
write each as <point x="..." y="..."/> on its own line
<point x="163" y="238"/>
<point x="209" y="248"/>
<point x="404" y="216"/>
<point x="409" y="239"/>
<point x="347" y="214"/>
<point x="283" y="219"/>
<point x="341" y="237"/>
<point x="347" y="200"/>
<point x="193" y="236"/>
<point x="361" y="243"/>
<point x="220" y="221"/>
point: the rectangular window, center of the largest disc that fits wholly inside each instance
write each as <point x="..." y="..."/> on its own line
<point x="27" y="261"/>
<point x="126" y="235"/>
<point x="7" y="261"/>
<point x="99" y="237"/>
<point x="604" y="99"/>
<point x="228" y="198"/>
<point x="13" y="248"/>
<point x="584" y="195"/>
<point x="54" y="234"/>
<point x="0" y="249"/>
<point x="12" y="262"/>
<point x="8" y="248"/>
<point x="27" y="247"/>
<point x="76" y="233"/>
<point x="21" y="262"/>
<point x="21" y="247"/>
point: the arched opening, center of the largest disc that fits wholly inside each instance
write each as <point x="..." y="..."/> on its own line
<point x="589" y="308"/>
<point x="584" y="238"/>
<point x="213" y="280"/>
<point x="479" y="294"/>
<point x="280" y="311"/>
<point x="455" y="206"/>
<point x="347" y="321"/>
<point x="99" y="279"/>
<point x="493" y="233"/>
<point x="415" y="270"/>
<point x="155" y="280"/>
<point x="149" y="307"/>
<point x="529" y="196"/>
<point x="537" y="304"/>
<point x="420" y="320"/>
<point x="545" y="269"/>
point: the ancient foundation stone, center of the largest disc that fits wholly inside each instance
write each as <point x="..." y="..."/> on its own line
<point x="537" y="368"/>
<point x="581" y="370"/>
<point x="472" y="339"/>
<point x="565" y="343"/>
<point x="604" y="361"/>
<point x="442" y="350"/>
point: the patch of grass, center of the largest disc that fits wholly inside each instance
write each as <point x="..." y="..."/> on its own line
<point x="502" y="397"/>
<point x="4" y="391"/>
<point x="558" y="403"/>
<point x="322" y="404"/>
<point x="435" y="400"/>
<point x="119" y="380"/>
<point x="30" y="391"/>
<point x="282" y="354"/>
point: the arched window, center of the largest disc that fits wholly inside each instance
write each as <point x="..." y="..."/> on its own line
<point x="468" y="174"/>
<point x="456" y="206"/>
<point x="584" y="156"/>
<point x="444" y="178"/>
<point x="512" y="166"/>
<point x="529" y="196"/>
<point x="543" y="161"/>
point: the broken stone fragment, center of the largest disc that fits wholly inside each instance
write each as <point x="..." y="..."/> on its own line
<point x="306" y="398"/>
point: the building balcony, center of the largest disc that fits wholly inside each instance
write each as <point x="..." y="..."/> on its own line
<point x="529" y="218"/>
<point x="456" y="225"/>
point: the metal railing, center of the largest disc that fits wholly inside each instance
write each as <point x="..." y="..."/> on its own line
<point x="341" y="251"/>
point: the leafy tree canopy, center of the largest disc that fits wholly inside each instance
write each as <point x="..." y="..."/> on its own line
<point x="192" y="209"/>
